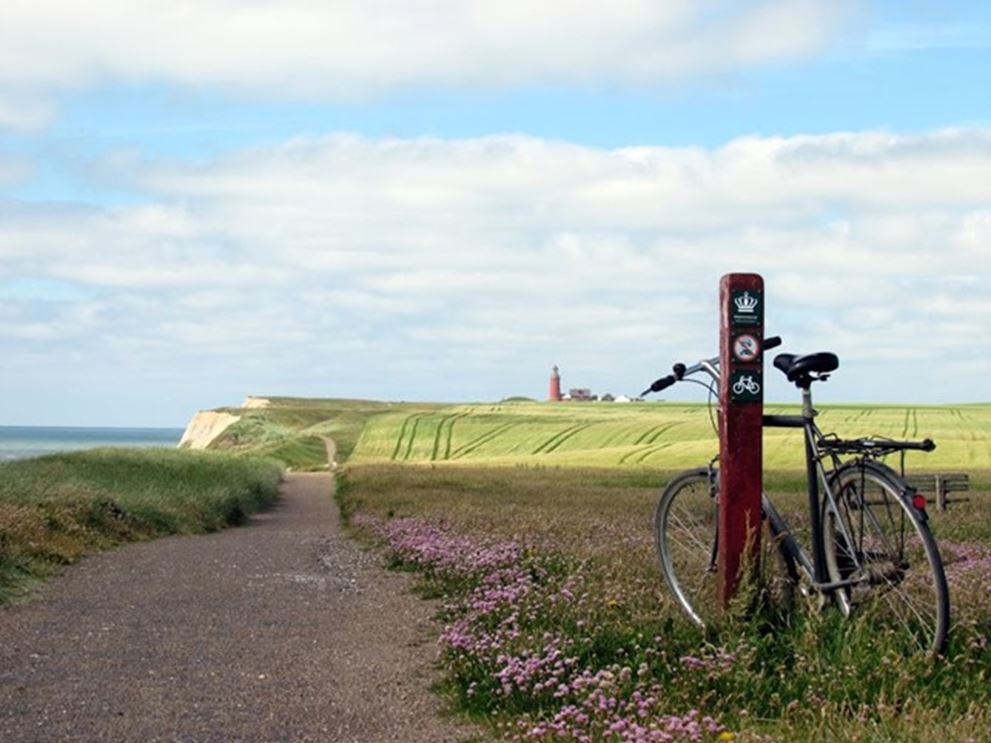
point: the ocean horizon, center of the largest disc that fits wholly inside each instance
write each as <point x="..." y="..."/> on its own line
<point x="21" y="442"/>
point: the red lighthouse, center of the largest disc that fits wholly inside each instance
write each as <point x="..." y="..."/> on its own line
<point x="555" y="387"/>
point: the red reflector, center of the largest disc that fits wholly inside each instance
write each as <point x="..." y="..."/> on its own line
<point x="919" y="501"/>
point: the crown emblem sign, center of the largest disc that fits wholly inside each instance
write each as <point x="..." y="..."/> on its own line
<point x="746" y="304"/>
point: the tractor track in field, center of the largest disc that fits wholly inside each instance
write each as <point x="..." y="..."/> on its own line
<point x="660" y="431"/>
<point x="911" y="425"/>
<point x="282" y="629"/>
<point x="412" y="437"/>
<point x="437" y="435"/>
<point x="651" y="451"/>
<point x="568" y="435"/>
<point x="450" y="433"/>
<point x="559" y="438"/>
<point x="399" y="439"/>
<point x="483" y="439"/>
<point x="642" y="438"/>
<point x="446" y="423"/>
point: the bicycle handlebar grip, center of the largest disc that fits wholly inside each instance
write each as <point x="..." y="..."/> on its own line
<point x="659" y="384"/>
<point x="773" y="342"/>
<point x="928" y="445"/>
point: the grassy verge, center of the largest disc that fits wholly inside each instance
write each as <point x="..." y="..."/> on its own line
<point x="58" y="508"/>
<point x="557" y="625"/>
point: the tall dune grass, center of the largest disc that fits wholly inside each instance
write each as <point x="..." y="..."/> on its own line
<point x="57" y="508"/>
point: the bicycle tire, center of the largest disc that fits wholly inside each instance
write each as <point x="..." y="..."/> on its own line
<point x="685" y="523"/>
<point x="889" y="547"/>
<point x="686" y="540"/>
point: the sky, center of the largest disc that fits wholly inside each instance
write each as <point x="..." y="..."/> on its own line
<point x="442" y="199"/>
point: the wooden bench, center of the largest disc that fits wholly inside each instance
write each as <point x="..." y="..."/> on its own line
<point x="940" y="485"/>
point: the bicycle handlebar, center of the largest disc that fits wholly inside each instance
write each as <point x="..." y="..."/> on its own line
<point x="660" y="384"/>
<point x="681" y="371"/>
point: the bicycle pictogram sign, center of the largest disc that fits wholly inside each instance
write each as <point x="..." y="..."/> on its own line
<point x="745" y="386"/>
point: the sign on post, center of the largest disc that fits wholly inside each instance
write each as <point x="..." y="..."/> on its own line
<point x="741" y="400"/>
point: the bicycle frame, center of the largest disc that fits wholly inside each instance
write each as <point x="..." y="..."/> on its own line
<point x="816" y="474"/>
<point x="867" y="538"/>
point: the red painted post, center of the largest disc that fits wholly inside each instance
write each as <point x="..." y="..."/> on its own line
<point x="741" y="400"/>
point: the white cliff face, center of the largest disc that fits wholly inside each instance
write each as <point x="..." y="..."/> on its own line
<point x="256" y="402"/>
<point x="204" y="427"/>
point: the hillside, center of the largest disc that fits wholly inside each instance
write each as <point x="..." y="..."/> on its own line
<point x="293" y="429"/>
<point x="653" y="435"/>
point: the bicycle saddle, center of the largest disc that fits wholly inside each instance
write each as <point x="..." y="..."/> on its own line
<point x="799" y="369"/>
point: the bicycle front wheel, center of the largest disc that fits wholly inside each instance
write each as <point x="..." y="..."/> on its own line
<point x="877" y="541"/>
<point x="685" y="524"/>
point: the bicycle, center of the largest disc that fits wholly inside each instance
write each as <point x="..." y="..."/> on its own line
<point x="872" y="550"/>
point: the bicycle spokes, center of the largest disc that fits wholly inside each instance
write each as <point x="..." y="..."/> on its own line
<point x="886" y="556"/>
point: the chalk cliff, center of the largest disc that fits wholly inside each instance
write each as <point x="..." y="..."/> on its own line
<point x="204" y="427"/>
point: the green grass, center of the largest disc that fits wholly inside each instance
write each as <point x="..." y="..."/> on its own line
<point x="662" y="436"/>
<point x="659" y="436"/>
<point x="802" y="675"/>
<point x="57" y="508"/>
<point x="293" y="429"/>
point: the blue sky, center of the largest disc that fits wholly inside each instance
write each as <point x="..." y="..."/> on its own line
<point x="207" y="200"/>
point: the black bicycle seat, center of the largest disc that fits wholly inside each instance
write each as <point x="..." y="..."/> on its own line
<point x="799" y="369"/>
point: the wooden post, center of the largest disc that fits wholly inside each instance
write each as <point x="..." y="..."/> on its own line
<point x="941" y="491"/>
<point x="741" y="400"/>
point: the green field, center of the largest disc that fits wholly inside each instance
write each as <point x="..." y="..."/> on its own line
<point x="293" y="429"/>
<point x="655" y="435"/>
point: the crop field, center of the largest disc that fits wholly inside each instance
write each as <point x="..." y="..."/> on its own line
<point x="557" y="625"/>
<point x="653" y="435"/>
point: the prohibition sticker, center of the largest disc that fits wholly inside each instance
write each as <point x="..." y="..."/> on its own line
<point x="746" y="347"/>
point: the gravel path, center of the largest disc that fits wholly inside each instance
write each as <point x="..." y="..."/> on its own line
<point x="278" y="630"/>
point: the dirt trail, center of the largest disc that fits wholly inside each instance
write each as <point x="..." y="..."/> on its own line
<point x="331" y="452"/>
<point x="279" y="630"/>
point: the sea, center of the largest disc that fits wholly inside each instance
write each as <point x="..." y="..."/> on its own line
<point x="19" y="442"/>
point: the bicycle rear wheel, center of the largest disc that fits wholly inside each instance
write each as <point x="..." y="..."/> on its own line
<point x="878" y="540"/>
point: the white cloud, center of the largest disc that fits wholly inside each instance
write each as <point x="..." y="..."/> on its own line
<point x="24" y="111"/>
<point x="499" y="256"/>
<point x="13" y="169"/>
<point x="312" y="49"/>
